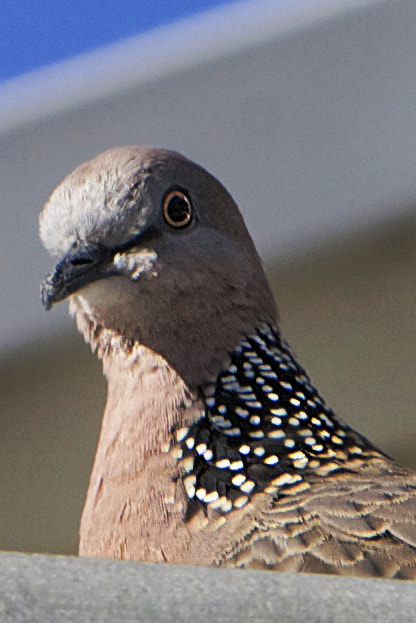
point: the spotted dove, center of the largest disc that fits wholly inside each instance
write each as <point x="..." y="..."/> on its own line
<point x="215" y="448"/>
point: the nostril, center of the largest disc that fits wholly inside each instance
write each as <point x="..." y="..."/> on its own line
<point x="81" y="261"/>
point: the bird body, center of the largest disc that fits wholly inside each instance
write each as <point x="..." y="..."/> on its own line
<point x="215" y="448"/>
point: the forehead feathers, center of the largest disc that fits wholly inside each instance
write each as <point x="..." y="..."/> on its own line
<point x="93" y="202"/>
<point x="111" y="197"/>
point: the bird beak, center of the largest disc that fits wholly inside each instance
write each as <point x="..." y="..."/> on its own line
<point x="75" y="270"/>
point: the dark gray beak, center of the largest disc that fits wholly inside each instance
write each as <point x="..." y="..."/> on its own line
<point x="75" y="270"/>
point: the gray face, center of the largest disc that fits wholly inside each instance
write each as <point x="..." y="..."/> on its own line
<point x="132" y="209"/>
<point x="154" y="248"/>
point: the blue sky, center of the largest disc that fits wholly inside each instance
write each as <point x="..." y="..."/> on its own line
<point x="34" y="33"/>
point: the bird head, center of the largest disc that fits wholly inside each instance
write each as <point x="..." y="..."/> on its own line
<point x="153" y="247"/>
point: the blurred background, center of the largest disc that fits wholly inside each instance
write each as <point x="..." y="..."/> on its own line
<point x="306" y="111"/>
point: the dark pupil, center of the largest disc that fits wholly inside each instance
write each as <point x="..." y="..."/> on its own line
<point x="178" y="209"/>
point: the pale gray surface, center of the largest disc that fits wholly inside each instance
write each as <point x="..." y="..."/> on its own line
<point x="310" y="126"/>
<point x="47" y="589"/>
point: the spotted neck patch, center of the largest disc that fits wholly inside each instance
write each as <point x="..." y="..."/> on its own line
<point x="265" y="428"/>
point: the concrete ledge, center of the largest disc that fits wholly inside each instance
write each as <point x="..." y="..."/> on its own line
<point x="56" y="589"/>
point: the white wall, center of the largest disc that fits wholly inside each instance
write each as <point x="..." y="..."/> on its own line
<point x="305" y="110"/>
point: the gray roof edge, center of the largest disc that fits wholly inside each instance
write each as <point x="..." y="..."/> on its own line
<point x="159" y="53"/>
<point x="59" y="589"/>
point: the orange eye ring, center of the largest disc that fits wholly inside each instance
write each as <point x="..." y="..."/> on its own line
<point x="177" y="209"/>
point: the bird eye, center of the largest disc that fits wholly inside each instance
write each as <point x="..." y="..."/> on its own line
<point x="177" y="209"/>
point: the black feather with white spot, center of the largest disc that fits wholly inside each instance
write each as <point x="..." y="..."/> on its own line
<point x="265" y="429"/>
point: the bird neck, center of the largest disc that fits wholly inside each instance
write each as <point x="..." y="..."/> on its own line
<point x="265" y="429"/>
<point x="165" y="454"/>
<point x="191" y="322"/>
<point x="146" y="399"/>
<point x="134" y="503"/>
